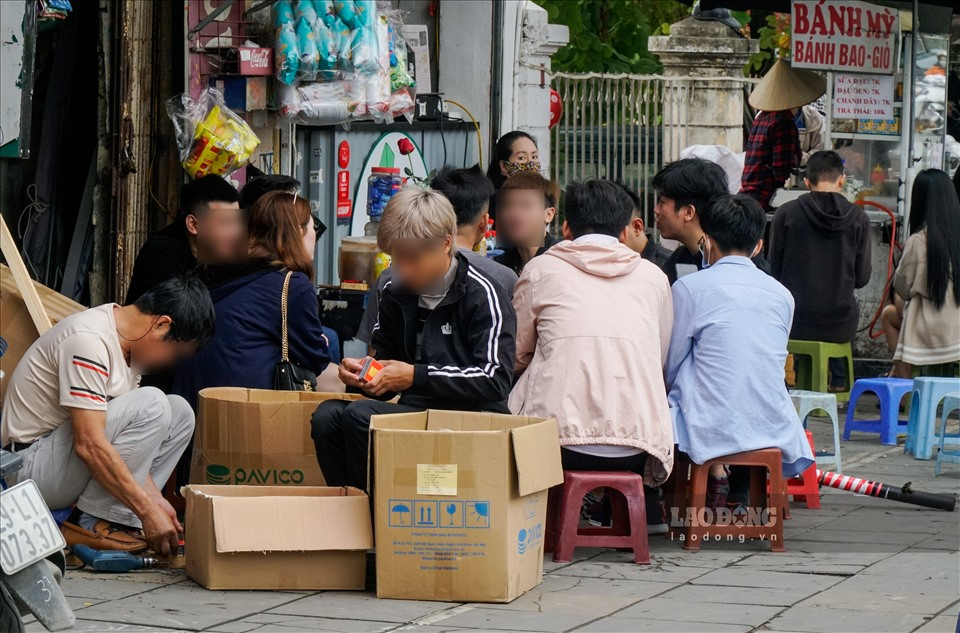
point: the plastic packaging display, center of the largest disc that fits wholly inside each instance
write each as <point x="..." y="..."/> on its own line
<point x="347" y="58"/>
<point x="211" y="138"/>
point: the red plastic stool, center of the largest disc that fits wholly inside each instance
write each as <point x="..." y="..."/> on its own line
<point x="629" y="515"/>
<point x="805" y="488"/>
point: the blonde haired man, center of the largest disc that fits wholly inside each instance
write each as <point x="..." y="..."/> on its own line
<point x="445" y="335"/>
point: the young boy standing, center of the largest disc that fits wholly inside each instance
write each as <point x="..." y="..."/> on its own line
<point x="444" y="333"/>
<point x="820" y="250"/>
<point x="526" y="205"/>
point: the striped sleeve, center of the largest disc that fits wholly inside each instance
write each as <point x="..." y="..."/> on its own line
<point x="84" y="368"/>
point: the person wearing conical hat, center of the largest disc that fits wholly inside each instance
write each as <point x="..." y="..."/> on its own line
<point x="773" y="149"/>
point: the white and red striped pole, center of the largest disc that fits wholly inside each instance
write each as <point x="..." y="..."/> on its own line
<point x="876" y="489"/>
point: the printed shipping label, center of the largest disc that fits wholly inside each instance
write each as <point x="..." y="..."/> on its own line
<point x="437" y="479"/>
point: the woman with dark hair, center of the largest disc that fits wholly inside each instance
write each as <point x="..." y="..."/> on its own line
<point x="247" y="298"/>
<point x="925" y="317"/>
<point x="514" y="152"/>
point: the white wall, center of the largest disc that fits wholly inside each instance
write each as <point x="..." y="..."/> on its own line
<point x="11" y="59"/>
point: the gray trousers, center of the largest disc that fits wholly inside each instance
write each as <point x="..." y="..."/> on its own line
<point x="149" y="430"/>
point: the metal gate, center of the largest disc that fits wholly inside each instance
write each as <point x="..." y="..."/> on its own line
<point x="613" y="126"/>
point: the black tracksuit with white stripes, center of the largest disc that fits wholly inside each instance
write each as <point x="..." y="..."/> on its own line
<point x="467" y="346"/>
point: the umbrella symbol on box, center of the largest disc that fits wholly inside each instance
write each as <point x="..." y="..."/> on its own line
<point x="402" y="512"/>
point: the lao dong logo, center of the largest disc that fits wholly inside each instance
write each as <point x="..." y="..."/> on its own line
<point x="220" y="475"/>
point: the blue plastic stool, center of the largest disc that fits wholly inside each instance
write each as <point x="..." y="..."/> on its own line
<point x="951" y="403"/>
<point x="891" y="392"/>
<point x="806" y="402"/>
<point x="926" y="397"/>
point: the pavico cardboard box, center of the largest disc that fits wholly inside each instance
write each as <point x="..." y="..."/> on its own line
<point x="460" y="503"/>
<point x="257" y="437"/>
<point x="16" y="326"/>
<point x="277" y="537"/>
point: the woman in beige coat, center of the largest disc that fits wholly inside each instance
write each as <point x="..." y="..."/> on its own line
<point x="925" y="322"/>
<point x="593" y="330"/>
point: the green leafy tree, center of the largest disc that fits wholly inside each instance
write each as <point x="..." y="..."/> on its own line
<point x="611" y="35"/>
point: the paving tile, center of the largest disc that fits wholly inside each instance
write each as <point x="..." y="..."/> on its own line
<point x="185" y="606"/>
<point x="835" y="564"/>
<point x="275" y="623"/>
<point x="801" y="544"/>
<point x="743" y="577"/>
<point x="861" y="537"/>
<point x="940" y="624"/>
<point x="576" y="595"/>
<point x="953" y="610"/>
<point x="354" y="605"/>
<point x="629" y="625"/>
<point x="100" y="589"/>
<point x="740" y="595"/>
<point x="508" y="620"/>
<point x="867" y="522"/>
<point x="919" y="566"/>
<point x="826" y="620"/>
<point x="656" y="571"/>
<point x="104" y="627"/>
<point x="679" y="610"/>
<point x="878" y="593"/>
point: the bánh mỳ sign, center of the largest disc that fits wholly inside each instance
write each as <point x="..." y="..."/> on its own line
<point x="844" y="35"/>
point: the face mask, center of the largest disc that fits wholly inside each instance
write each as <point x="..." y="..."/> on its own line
<point x="516" y="168"/>
<point x="703" y="254"/>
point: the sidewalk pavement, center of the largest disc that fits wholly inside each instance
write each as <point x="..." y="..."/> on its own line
<point x="856" y="564"/>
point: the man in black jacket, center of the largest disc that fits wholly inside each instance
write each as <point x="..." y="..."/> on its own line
<point x="820" y="250"/>
<point x="445" y="335"/>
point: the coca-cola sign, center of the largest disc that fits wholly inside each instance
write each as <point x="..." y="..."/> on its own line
<point x="256" y="61"/>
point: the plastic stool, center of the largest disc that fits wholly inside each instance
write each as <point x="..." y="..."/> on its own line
<point x="811" y="363"/>
<point x="773" y="507"/>
<point x="805" y="488"/>
<point x="943" y="370"/>
<point x="806" y="403"/>
<point x="926" y="397"/>
<point x="891" y="392"/>
<point x="629" y="529"/>
<point x="951" y="403"/>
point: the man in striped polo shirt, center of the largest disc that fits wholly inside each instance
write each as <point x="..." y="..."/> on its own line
<point x="88" y="436"/>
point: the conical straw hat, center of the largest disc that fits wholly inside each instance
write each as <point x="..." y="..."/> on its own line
<point x="785" y="87"/>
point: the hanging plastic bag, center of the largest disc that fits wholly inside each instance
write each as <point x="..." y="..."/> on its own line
<point x="286" y="54"/>
<point x="309" y="54"/>
<point x="347" y="12"/>
<point x="399" y="76"/>
<point x="366" y="12"/>
<point x="325" y="11"/>
<point x="364" y="51"/>
<point x="282" y="13"/>
<point x="306" y="10"/>
<point x="327" y="49"/>
<point x="211" y="138"/>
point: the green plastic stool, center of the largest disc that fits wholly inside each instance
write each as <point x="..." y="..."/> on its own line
<point x="811" y="363"/>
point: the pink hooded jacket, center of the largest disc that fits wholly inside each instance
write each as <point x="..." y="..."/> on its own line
<point x="593" y="330"/>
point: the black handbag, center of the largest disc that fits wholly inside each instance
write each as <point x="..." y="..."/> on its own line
<point x="288" y="375"/>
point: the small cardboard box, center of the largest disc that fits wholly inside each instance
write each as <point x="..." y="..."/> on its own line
<point x="16" y="326"/>
<point x="460" y="503"/>
<point x="257" y="437"/>
<point x="274" y="537"/>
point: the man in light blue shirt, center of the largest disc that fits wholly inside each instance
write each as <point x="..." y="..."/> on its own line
<point x="725" y="367"/>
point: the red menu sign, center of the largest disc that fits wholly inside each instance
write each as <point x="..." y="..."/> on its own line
<point x="844" y="34"/>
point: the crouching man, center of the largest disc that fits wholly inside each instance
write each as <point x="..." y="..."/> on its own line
<point x="88" y="435"/>
<point x="444" y="334"/>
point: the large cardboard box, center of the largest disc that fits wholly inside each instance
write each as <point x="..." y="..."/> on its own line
<point x="16" y="326"/>
<point x="460" y="503"/>
<point x="275" y="537"/>
<point x="257" y="437"/>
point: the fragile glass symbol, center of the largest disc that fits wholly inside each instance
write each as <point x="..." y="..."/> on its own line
<point x="451" y="510"/>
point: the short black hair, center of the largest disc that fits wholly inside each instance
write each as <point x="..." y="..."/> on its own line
<point x="691" y="181"/>
<point x="825" y="166"/>
<point x="187" y="302"/>
<point x="197" y="194"/>
<point x="597" y="206"/>
<point x="468" y="190"/>
<point x="258" y="186"/>
<point x="634" y="196"/>
<point x="733" y="222"/>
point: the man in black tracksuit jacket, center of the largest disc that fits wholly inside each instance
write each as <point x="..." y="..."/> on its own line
<point x="450" y="348"/>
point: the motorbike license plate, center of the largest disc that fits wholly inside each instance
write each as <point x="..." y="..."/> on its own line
<point x="28" y="532"/>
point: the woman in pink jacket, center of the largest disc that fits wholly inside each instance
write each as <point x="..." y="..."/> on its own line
<point x="593" y="330"/>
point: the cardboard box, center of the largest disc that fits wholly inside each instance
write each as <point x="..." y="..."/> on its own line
<point x="16" y="326"/>
<point x="249" y="537"/>
<point x="460" y="503"/>
<point x="256" y="61"/>
<point x="257" y="437"/>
